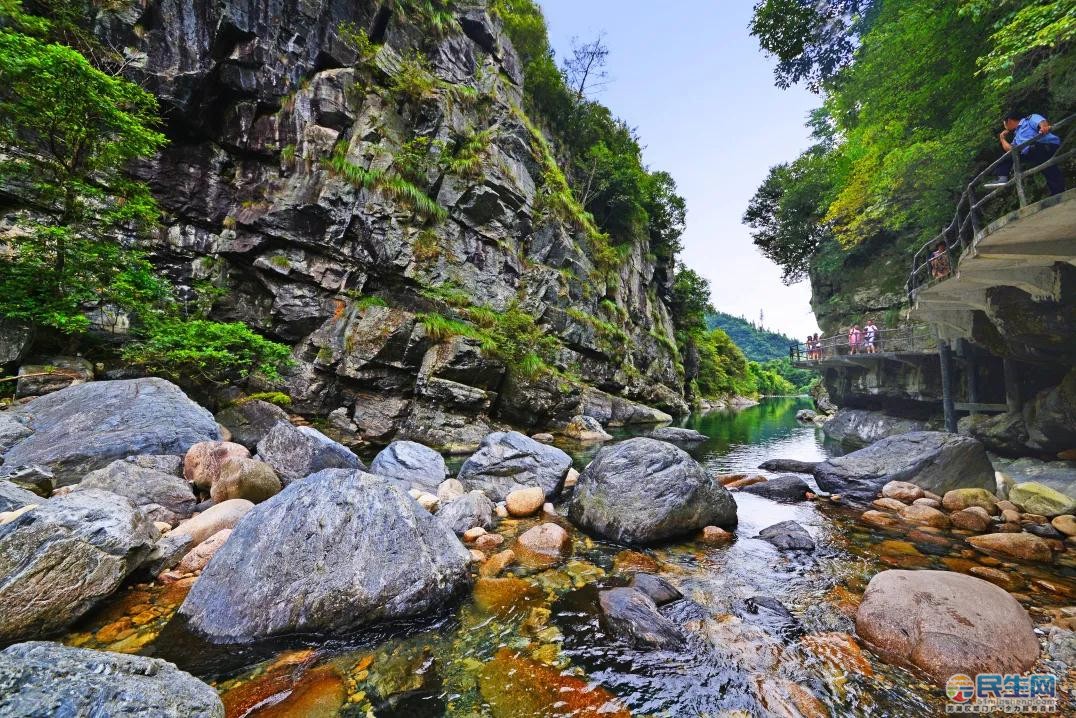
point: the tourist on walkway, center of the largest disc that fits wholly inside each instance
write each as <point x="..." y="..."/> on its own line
<point x="1042" y="145"/>
<point x="870" y="336"/>
<point x="939" y="262"/>
<point x="855" y="335"/>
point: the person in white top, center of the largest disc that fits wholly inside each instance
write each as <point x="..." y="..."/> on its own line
<point x="870" y="337"/>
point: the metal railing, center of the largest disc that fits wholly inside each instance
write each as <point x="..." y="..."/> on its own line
<point x="916" y="338"/>
<point x="928" y="268"/>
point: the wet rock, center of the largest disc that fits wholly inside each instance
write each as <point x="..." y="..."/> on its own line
<point x="946" y="623"/>
<point x="643" y="490"/>
<point x="497" y="563"/>
<point x="296" y="452"/>
<point x="888" y="504"/>
<point x="744" y="481"/>
<point x="201" y="465"/>
<point x="840" y="651"/>
<point x="997" y="577"/>
<point x="64" y="556"/>
<point x="858" y="427"/>
<point x="49" y="679"/>
<point x="782" y="488"/>
<point x="412" y="462"/>
<point x="1010" y="516"/>
<point x="506" y="595"/>
<point x="468" y="511"/>
<point x="932" y="503"/>
<point x="525" y="502"/>
<point x="586" y="429"/>
<point x="771" y="615"/>
<point x="332" y="533"/>
<point x="658" y="589"/>
<point x="52" y="374"/>
<point x="544" y="438"/>
<point x="924" y="516"/>
<point x="250" y="421"/>
<point x="792" y="465"/>
<point x="1066" y="524"/>
<point x="544" y="544"/>
<point x="1025" y="547"/>
<point x="488" y="542"/>
<point x="508" y="460"/>
<point x="715" y="535"/>
<point x="935" y="461"/>
<point x="1036" y="498"/>
<point x="787" y="536"/>
<point x="14" y="497"/>
<point x="175" y="544"/>
<point x="1045" y="531"/>
<point x="971" y="519"/>
<point x="143" y="487"/>
<point x="961" y="499"/>
<point x="633" y="616"/>
<point x="677" y="435"/>
<point x="88" y="426"/>
<point x="199" y="556"/>
<point x="807" y="416"/>
<point x="242" y="478"/>
<point x="902" y="491"/>
<point x="879" y="520"/>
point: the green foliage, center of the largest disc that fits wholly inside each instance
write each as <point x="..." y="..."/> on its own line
<point x="691" y="300"/>
<point x="439" y="327"/>
<point x="357" y="38"/>
<point x="364" y="302"/>
<point x="769" y="382"/>
<point x="723" y="370"/>
<point x="450" y="293"/>
<point x="392" y="185"/>
<point x="800" y="380"/>
<point x="465" y="156"/>
<point x="758" y="344"/>
<point x="414" y="79"/>
<point x="434" y="16"/>
<point x="200" y="350"/>
<point x="273" y="397"/>
<point x="1025" y="29"/>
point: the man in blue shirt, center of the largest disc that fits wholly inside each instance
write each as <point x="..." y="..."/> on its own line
<point x="1037" y="144"/>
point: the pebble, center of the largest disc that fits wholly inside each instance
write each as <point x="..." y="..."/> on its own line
<point x="450" y="489"/>
<point x="1014" y="545"/>
<point x="715" y="535"/>
<point x="488" y="541"/>
<point x="470" y="535"/>
<point x="501" y="510"/>
<point x="932" y="503"/>
<point x="1008" y="506"/>
<point x="902" y="491"/>
<point x="887" y="504"/>
<point x="477" y="556"/>
<point x="428" y="502"/>
<point x="924" y="515"/>
<point x="1066" y="524"/>
<point x="997" y="577"/>
<point x="571" y="479"/>
<point x="973" y="518"/>
<point x="1010" y="516"/>
<point x="525" y="502"/>
<point x="549" y="510"/>
<point x="497" y="563"/>
<point x="746" y="481"/>
<point x="879" y="519"/>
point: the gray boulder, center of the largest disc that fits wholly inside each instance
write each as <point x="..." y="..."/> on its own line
<point x="409" y="461"/>
<point x="858" y="427"/>
<point x="781" y="488"/>
<point x="769" y="614"/>
<point x="88" y="426"/>
<point x="933" y="460"/>
<point x="508" y="460"/>
<point x="345" y="549"/>
<point x="14" y="497"/>
<point x="794" y="465"/>
<point x="59" y="559"/>
<point x="633" y="616"/>
<point x="12" y="430"/>
<point x="658" y="589"/>
<point x="250" y="421"/>
<point x="787" y="536"/>
<point x="49" y="679"/>
<point x="296" y="452"/>
<point x="35" y="479"/>
<point x="677" y="435"/>
<point x="466" y="512"/>
<point x="52" y="374"/>
<point x="643" y="490"/>
<point x="144" y="486"/>
<point x="586" y="429"/>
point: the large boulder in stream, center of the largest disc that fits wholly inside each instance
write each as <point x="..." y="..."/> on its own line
<point x="643" y="490"/>
<point x="337" y="550"/>
<point x="632" y="615"/>
<point x="508" y="460"/>
<point x="946" y="623"/>
<point x="420" y="466"/>
<point x="49" y="679"/>
<point x="933" y="460"/>
<point x="88" y="426"/>
<point x="58" y="560"/>
<point x="859" y="427"/>
<point x="163" y="496"/>
<point x="295" y="452"/>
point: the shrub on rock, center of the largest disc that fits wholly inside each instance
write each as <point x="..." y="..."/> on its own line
<point x="643" y="490"/>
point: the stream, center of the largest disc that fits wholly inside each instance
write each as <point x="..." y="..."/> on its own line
<point x="530" y="643"/>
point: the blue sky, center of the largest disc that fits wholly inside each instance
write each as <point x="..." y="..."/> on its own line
<point x="688" y="76"/>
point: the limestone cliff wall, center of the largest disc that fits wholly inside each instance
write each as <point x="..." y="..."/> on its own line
<point x="258" y="96"/>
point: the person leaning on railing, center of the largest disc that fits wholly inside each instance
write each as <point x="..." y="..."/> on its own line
<point x="1041" y="146"/>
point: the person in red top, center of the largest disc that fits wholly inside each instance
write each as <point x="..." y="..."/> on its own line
<point x="854" y="337"/>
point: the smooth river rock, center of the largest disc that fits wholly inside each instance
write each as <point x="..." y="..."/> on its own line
<point x="410" y="461"/>
<point x="633" y="616"/>
<point x="39" y="679"/>
<point x="859" y="427"/>
<point x="57" y="561"/>
<point x="466" y="512"/>
<point x="296" y="452"/>
<point x="945" y="623"/>
<point x="677" y="435"/>
<point x="508" y="460"/>
<point x="338" y="550"/>
<point x="144" y="487"/>
<point x="787" y="489"/>
<point x="932" y="460"/>
<point x="643" y="490"/>
<point x="1036" y="498"/>
<point x="787" y="536"/>
<point x="88" y="426"/>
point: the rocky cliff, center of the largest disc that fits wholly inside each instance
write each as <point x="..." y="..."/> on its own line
<point x="359" y="180"/>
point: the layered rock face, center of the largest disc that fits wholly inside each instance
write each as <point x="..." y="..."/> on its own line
<point x="354" y="269"/>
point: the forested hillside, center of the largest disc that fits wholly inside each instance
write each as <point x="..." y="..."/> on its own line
<point x="911" y="97"/>
<point x="757" y="343"/>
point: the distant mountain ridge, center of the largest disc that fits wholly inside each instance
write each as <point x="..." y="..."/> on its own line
<point x="758" y="344"/>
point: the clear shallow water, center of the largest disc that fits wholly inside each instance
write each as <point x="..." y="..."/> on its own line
<point x="530" y="644"/>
